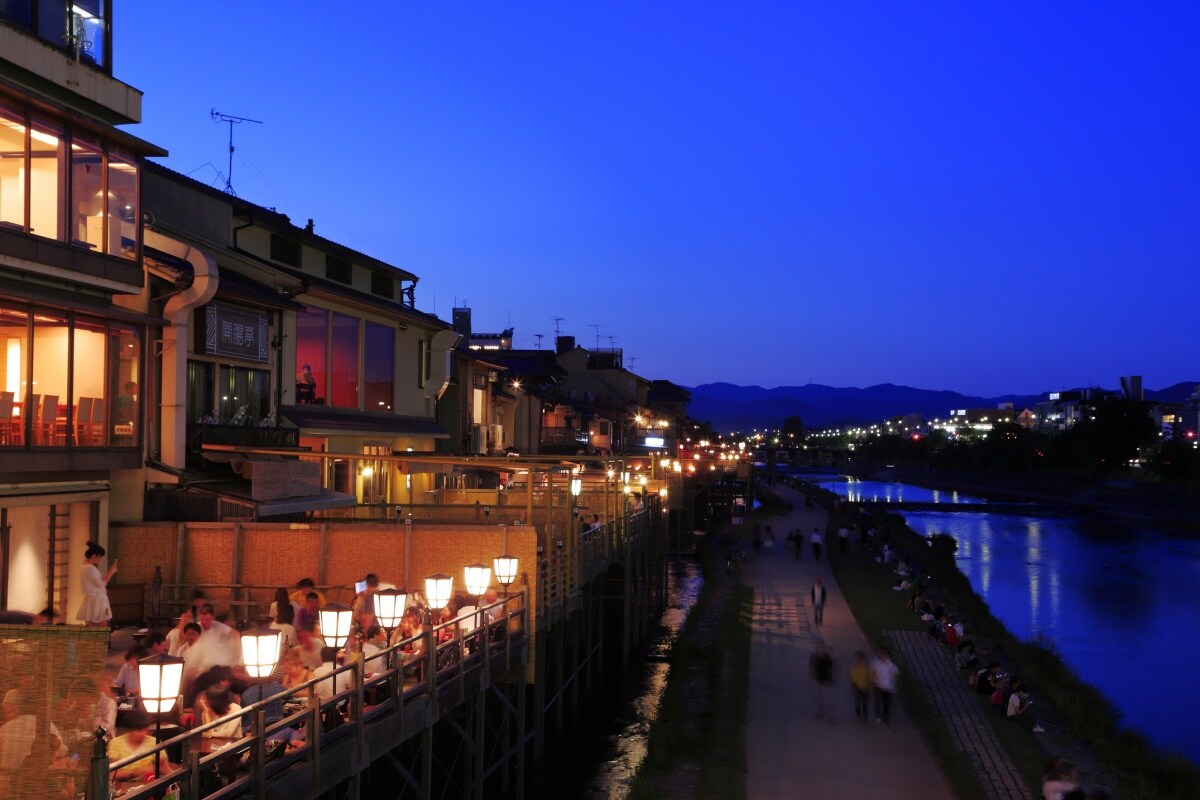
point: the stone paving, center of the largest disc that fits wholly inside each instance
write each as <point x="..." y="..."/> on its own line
<point x="964" y="718"/>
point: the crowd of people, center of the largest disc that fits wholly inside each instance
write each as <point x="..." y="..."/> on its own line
<point x="215" y="685"/>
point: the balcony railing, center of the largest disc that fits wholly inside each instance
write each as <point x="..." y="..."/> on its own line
<point x="563" y="436"/>
<point x="203" y="433"/>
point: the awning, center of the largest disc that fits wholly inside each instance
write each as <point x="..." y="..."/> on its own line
<point x="239" y="492"/>
<point x="319" y="419"/>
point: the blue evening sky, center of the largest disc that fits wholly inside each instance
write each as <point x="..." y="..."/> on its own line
<point x="986" y="198"/>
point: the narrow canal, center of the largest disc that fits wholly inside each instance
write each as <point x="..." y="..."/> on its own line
<point x="1119" y="603"/>
<point x="598" y="757"/>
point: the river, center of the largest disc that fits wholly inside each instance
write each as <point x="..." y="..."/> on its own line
<point x="598" y="757"/>
<point x="1117" y="602"/>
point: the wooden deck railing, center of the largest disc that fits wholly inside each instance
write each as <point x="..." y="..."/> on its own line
<point x="328" y="716"/>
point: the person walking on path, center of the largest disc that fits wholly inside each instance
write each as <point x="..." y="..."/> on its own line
<point x="860" y="686"/>
<point x="784" y="742"/>
<point x="820" y="669"/>
<point x="817" y="541"/>
<point x="95" y="609"/>
<point x="884" y="673"/>
<point x="817" y="596"/>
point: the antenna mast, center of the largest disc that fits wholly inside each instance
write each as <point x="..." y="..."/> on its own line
<point x="217" y="116"/>
<point x="539" y="336"/>
<point x="596" y="327"/>
<point x="557" y="331"/>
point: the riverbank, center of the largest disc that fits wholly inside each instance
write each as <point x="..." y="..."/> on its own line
<point x="1161" y="505"/>
<point x="1077" y="712"/>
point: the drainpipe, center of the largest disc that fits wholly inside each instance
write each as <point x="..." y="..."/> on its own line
<point x="178" y="313"/>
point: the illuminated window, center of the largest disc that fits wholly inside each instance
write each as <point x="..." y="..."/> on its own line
<point x="311" y="347"/>
<point x="344" y="367"/>
<point x="379" y="368"/>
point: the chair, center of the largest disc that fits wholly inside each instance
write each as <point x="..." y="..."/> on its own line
<point x="96" y="423"/>
<point x="83" y="422"/>
<point x="48" y="421"/>
<point x="6" y="421"/>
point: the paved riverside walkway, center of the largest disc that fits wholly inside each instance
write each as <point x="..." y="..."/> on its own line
<point x="789" y="752"/>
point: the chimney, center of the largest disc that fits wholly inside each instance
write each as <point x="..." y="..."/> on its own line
<point x="309" y="227"/>
<point x="563" y="343"/>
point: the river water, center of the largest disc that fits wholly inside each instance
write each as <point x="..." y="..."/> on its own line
<point x="1119" y="603"/>
<point x="599" y="757"/>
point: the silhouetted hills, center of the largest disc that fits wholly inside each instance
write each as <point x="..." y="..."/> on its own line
<point x="731" y="407"/>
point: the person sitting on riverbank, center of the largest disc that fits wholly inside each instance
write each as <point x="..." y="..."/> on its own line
<point x="1020" y="709"/>
<point x="965" y="657"/>
<point x="986" y="680"/>
<point x="1061" y="781"/>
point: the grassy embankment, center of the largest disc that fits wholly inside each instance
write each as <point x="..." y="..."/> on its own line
<point x="1141" y="772"/>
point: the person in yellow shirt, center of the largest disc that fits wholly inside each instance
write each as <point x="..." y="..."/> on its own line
<point x="137" y="740"/>
<point x="303" y="587"/>
<point x="860" y="684"/>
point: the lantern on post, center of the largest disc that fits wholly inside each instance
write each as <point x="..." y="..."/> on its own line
<point x="389" y="608"/>
<point x="335" y="623"/>
<point x="159" y="676"/>
<point x="477" y="577"/>
<point x="506" y="570"/>
<point x="438" y="589"/>
<point x="260" y="651"/>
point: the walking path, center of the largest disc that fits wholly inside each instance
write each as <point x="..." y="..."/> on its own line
<point x="791" y="753"/>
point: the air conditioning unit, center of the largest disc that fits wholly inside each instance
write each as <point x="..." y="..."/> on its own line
<point x="497" y="434"/>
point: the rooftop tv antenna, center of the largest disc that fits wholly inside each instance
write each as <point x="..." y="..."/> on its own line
<point x="557" y="320"/>
<point x="231" y="120"/>
<point x="612" y="342"/>
<point x="539" y="336"/>
<point x="596" y="327"/>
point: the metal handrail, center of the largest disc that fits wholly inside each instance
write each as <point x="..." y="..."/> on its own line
<point x="513" y="622"/>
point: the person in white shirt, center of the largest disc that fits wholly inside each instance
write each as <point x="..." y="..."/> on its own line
<point x="884" y="674"/>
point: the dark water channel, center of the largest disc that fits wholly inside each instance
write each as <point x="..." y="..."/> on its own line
<point x="597" y="757"/>
<point x="1120" y="603"/>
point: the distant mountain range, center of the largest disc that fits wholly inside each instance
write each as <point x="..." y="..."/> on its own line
<point x="731" y="407"/>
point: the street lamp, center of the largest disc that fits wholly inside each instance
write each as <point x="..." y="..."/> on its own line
<point x="506" y="570"/>
<point x="159" y="677"/>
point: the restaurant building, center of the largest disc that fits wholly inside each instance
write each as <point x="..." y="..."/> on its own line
<point x="74" y="324"/>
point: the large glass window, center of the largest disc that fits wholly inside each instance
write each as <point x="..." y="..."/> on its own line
<point x="124" y="390"/>
<point x="14" y="371"/>
<point x="123" y="217"/>
<point x="245" y="395"/>
<point x="35" y="164"/>
<point x="344" y="341"/>
<point x="47" y="179"/>
<point x="87" y="384"/>
<point x="87" y="195"/>
<point x="89" y="30"/>
<point x="200" y="389"/>
<point x="68" y="382"/>
<point x="311" y="338"/>
<point x="379" y="343"/>
<point x="12" y="169"/>
<point x="47" y="398"/>
<point x="72" y="25"/>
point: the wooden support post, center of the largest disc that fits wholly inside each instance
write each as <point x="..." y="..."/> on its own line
<point x="479" y="752"/>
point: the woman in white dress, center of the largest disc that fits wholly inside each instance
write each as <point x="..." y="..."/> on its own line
<point x="95" y="609"/>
